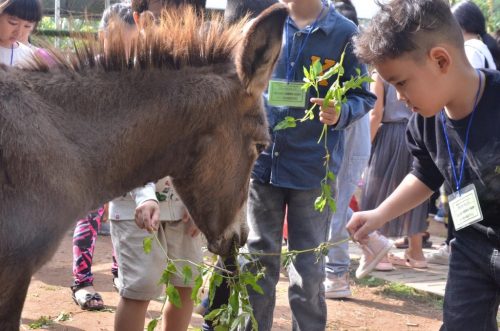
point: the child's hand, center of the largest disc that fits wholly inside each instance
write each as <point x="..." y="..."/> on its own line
<point x="327" y="115"/>
<point x="363" y="223"/>
<point x="105" y="213"/>
<point x="147" y="216"/>
<point x="192" y="229"/>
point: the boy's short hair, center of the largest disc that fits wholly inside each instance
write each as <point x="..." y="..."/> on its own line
<point x="28" y="10"/>
<point x="407" y="26"/>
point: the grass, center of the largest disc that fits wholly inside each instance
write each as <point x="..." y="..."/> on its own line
<point x="397" y="290"/>
<point x="401" y="291"/>
<point x="43" y="322"/>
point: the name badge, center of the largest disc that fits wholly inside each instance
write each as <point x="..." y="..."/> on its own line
<point x="286" y="94"/>
<point x="464" y="207"/>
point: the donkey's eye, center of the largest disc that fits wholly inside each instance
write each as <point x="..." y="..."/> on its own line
<point x="260" y="148"/>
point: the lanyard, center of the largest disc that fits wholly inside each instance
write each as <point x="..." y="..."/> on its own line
<point x="458" y="181"/>
<point x="11" y="54"/>
<point x="290" y="67"/>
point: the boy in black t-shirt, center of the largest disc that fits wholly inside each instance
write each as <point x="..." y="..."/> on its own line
<point x="417" y="46"/>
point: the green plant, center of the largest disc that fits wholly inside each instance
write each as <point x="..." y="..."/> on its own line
<point x="238" y="311"/>
<point x="336" y="93"/>
<point x="41" y="323"/>
<point x="63" y="317"/>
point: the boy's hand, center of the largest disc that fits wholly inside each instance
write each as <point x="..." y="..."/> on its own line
<point x="147" y="216"/>
<point x="363" y="223"/>
<point x="192" y="229"/>
<point x="327" y="115"/>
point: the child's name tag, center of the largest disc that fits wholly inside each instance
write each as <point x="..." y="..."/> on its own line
<point x="286" y="94"/>
<point x="464" y="207"/>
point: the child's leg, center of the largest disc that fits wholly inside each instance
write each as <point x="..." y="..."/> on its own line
<point x="138" y="274"/>
<point x="180" y="246"/>
<point x="177" y="319"/>
<point x="266" y="212"/>
<point x="307" y="228"/>
<point x="83" y="248"/>
<point x="130" y="314"/>
<point x="472" y="290"/>
<point x="415" y="247"/>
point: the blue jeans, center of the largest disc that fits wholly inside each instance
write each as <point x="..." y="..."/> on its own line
<point x="473" y="289"/>
<point x="307" y="228"/>
<point x="338" y="261"/>
<point x="356" y="155"/>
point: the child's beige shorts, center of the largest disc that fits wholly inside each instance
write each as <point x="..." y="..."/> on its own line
<point x="138" y="272"/>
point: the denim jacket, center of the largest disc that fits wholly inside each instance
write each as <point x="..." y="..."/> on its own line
<point x="294" y="158"/>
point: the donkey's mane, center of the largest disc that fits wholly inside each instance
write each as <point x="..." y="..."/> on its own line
<point x="182" y="37"/>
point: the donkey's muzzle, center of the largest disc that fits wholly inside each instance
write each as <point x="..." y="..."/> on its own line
<point x="226" y="247"/>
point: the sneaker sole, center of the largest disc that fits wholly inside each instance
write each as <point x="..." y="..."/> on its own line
<point x="369" y="267"/>
<point x="338" y="294"/>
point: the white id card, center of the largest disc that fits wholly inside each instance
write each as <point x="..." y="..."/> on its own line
<point x="464" y="207"/>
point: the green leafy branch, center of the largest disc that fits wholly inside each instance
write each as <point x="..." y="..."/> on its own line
<point x="336" y="93"/>
<point x="233" y="315"/>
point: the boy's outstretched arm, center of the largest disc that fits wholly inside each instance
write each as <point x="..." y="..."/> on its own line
<point x="408" y="195"/>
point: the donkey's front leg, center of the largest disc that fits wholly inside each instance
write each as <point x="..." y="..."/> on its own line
<point x="14" y="282"/>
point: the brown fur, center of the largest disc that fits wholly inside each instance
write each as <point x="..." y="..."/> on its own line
<point x="95" y="127"/>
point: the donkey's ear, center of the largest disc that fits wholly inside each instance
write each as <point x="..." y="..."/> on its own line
<point x="260" y="48"/>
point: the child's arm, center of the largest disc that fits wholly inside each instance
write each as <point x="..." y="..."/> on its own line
<point x="408" y="195"/>
<point x="376" y="114"/>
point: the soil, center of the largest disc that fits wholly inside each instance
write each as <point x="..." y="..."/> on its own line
<point x="49" y="295"/>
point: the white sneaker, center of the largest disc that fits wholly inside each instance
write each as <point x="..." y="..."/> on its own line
<point x="337" y="287"/>
<point x="374" y="251"/>
<point x="441" y="256"/>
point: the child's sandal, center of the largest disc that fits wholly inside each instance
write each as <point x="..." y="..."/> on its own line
<point x="87" y="298"/>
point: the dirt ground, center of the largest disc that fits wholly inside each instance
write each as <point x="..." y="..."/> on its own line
<point x="49" y="295"/>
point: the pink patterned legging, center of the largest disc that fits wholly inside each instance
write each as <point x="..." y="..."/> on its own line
<point x="84" y="239"/>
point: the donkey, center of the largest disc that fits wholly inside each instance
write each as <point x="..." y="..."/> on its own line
<point x="97" y="125"/>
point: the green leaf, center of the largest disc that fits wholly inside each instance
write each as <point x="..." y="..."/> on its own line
<point x="215" y="282"/>
<point x="214" y="314"/>
<point x="330" y="72"/>
<point x="198" y="282"/>
<point x="306" y="86"/>
<point x="167" y="273"/>
<point x="287" y="122"/>
<point x="239" y="321"/>
<point x="319" y="203"/>
<point x="63" y="317"/>
<point x="317" y="68"/>
<point x="152" y="324"/>
<point x="187" y="274"/>
<point x="327" y="189"/>
<point x="306" y="74"/>
<point x="174" y="296"/>
<point x="247" y="278"/>
<point x="234" y="302"/>
<point x="221" y="328"/>
<point x="146" y="244"/>
<point x="330" y="175"/>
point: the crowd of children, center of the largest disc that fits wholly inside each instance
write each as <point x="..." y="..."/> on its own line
<point x="432" y="115"/>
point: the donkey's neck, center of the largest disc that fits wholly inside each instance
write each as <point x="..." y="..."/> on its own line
<point x="132" y="127"/>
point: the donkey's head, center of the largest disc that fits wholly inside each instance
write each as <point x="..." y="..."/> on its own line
<point x="216" y="187"/>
